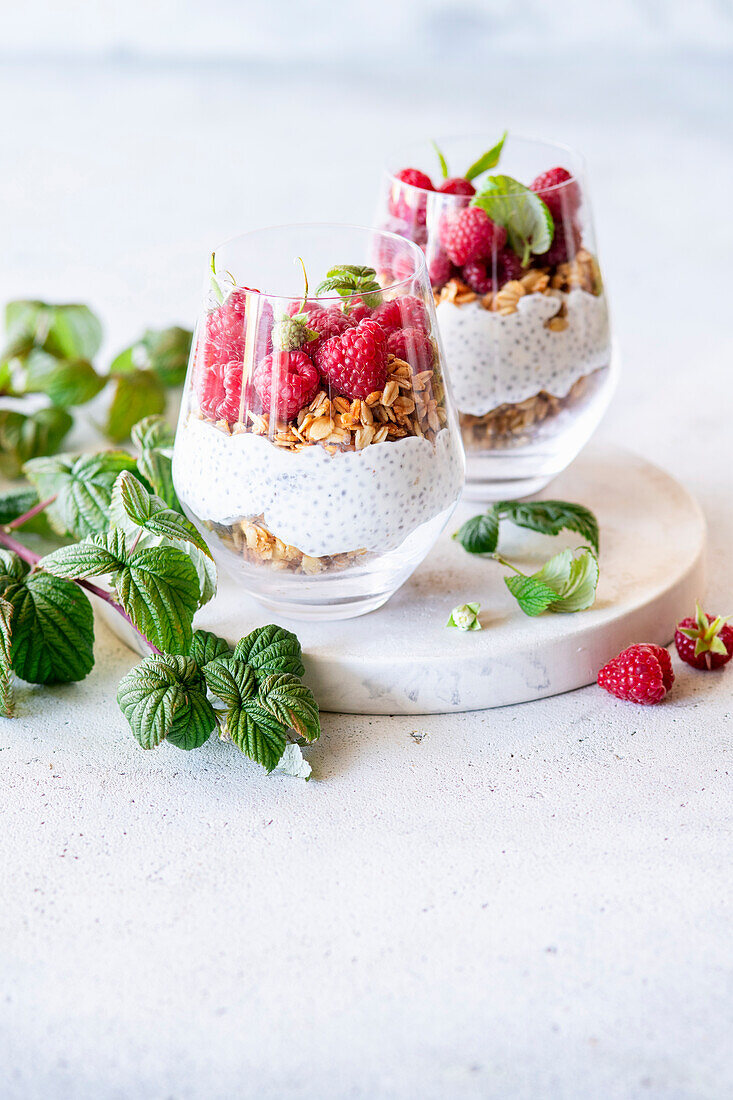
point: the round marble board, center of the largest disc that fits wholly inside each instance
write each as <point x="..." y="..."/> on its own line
<point x="402" y="659"/>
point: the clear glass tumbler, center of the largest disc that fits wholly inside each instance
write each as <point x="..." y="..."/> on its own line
<point x="520" y="303"/>
<point x="317" y="448"/>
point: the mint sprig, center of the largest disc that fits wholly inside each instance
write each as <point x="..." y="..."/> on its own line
<point x="348" y="280"/>
<point x="528" y="222"/>
<point x="487" y="160"/>
<point x="480" y="534"/>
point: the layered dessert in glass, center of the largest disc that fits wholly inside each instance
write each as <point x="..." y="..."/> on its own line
<point x="317" y="447"/>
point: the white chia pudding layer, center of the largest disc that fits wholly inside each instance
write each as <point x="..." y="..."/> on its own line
<point x="497" y="360"/>
<point x="320" y="503"/>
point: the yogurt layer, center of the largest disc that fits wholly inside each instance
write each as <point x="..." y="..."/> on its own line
<point x="495" y="360"/>
<point x="319" y="502"/>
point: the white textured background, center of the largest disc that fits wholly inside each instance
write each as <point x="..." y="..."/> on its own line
<point x="529" y="903"/>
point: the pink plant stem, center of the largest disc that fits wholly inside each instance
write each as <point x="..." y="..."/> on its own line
<point x="20" y="520"/>
<point x="32" y="559"/>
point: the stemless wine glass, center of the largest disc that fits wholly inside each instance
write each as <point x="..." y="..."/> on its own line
<point x="526" y="333"/>
<point x="317" y="448"/>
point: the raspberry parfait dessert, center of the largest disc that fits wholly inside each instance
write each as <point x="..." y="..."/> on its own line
<point x="520" y="302"/>
<point x="317" y="447"/>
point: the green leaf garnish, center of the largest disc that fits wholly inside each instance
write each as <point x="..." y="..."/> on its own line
<point x="480" y="534"/>
<point x="82" y="486"/>
<point x="252" y="727"/>
<point x="64" y="381"/>
<point x="292" y="703"/>
<point x="487" y="160"/>
<point x="206" y="647"/>
<point x="147" y="512"/>
<point x="529" y="224"/>
<point x="136" y="394"/>
<point x="270" y="650"/>
<point x="441" y="159"/>
<point x="165" y="352"/>
<point x="154" y="438"/>
<point x="24" y="437"/>
<point x="465" y="617"/>
<point x="164" y="697"/>
<point x="348" y="280"/>
<point x="565" y="583"/>
<point x="66" y="331"/>
<point x="159" y="589"/>
<point x="550" y="517"/>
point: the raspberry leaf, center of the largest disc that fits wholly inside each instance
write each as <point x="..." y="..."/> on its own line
<point x="231" y="680"/>
<point x="165" y="697"/>
<point x="527" y="220"/>
<point x="82" y="486"/>
<point x="153" y="436"/>
<point x="480" y="534"/>
<point x="292" y="703"/>
<point x="532" y="595"/>
<point x="17" y="503"/>
<point x="67" y="331"/>
<point x="136" y="394"/>
<point x="52" y="627"/>
<point x="6" y="674"/>
<point x="147" y="512"/>
<point x="24" y="437"/>
<point x="550" y="517"/>
<point x="159" y="589"/>
<point x="565" y="583"/>
<point x="251" y="725"/>
<point x="93" y="557"/>
<point x="165" y="352"/>
<point x="271" y="649"/>
<point x="64" y="381"/>
<point x="348" y="280"/>
<point x="487" y="160"/>
<point x="206" y="647"/>
<point x="293" y="763"/>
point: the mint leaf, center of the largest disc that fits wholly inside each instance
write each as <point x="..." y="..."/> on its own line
<point x="565" y="583"/>
<point x="165" y="697"/>
<point x="159" y="590"/>
<point x="64" y="381"/>
<point x="550" y="517"/>
<point x="136" y="394"/>
<point x="6" y="675"/>
<point x="292" y="703"/>
<point x="206" y="647"/>
<point x="441" y="160"/>
<point x="523" y="214"/>
<point x="350" y="279"/>
<point x="24" y="437"/>
<point x="487" y="160"/>
<point x="154" y="438"/>
<point x="251" y="725"/>
<point x="52" y="628"/>
<point x="148" y="512"/>
<point x="480" y="534"/>
<point x="271" y="649"/>
<point x="82" y="486"/>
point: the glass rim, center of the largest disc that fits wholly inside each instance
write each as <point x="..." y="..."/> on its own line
<point x="528" y="139"/>
<point x="403" y="242"/>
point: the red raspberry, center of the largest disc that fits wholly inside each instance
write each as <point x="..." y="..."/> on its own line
<point x="439" y="269"/>
<point x="412" y="345"/>
<point x="358" y="310"/>
<point x="561" y="250"/>
<point x="705" y="642"/>
<point x="642" y="674"/>
<point x="469" y="234"/>
<point x="476" y="276"/>
<point x="405" y="312"/>
<point x="327" y="323"/>
<point x="457" y="186"/>
<point x="559" y="191"/>
<point x="355" y="363"/>
<point x="404" y="203"/>
<point x="480" y="276"/>
<point x="294" y="378"/>
<point x="509" y="266"/>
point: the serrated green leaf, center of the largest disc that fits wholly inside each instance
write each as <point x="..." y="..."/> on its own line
<point x="136" y="394"/>
<point x="92" y="557"/>
<point x="230" y="679"/>
<point x="12" y="568"/>
<point x="148" y="512"/>
<point x="82" y="486"/>
<point x="487" y="160"/>
<point x="167" y="352"/>
<point x="165" y="697"/>
<point x="155" y="464"/>
<point x="64" y="381"/>
<point x="533" y="596"/>
<point x="52" y="628"/>
<point x="6" y="671"/>
<point x="521" y="212"/>
<point x="159" y="590"/>
<point x="292" y="703"/>
<point x="251" y="725"/>
<point x="480" y="534"/>
<point x="350" y="279"/>
<point x="206" y="647"/>
<point x="16" y="503"/>
<point x="74" y="332"/>
<point x="550" y="517"/>
<point x="152" y="431"/>
<point x="271" y="649"/>
<point x="24" y="437"/>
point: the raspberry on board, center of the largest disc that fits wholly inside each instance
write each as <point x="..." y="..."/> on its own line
<point x="640" y="674"/>
<point x="704" y="641"/>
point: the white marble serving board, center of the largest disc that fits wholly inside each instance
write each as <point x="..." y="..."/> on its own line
<point x="402" y="659"/>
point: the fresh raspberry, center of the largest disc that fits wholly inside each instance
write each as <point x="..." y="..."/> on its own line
<point x="226" y="323"/>
<point x="439" y="269"/>
<point x="408" y="204"/>
<point x="561" y="250"/>
<point x="642" y="674"/>
<point x="294" y="378"/>
<point x="484" y="278"/>
<point x="469" y="234"/>
<point x="559" y="191"/>
<point x="358" y="310"/>
<point x="412" y="345"/>
<point x="405" y="312"/>
<point x="457" y="186"/>
<point x="355" y="363"/>
<point x="705" y="641"/>
<point x="327" y="323"/>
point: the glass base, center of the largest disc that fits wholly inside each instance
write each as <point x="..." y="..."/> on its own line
<point x="349" y="608"/>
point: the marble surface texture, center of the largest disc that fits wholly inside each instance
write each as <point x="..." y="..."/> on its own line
<point x="532" y="901"/>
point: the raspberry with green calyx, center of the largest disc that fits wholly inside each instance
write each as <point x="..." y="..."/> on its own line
<point x="291" y="332"/>
<point x="704" y="642"/>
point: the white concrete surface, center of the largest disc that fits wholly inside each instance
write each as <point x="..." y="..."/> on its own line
<point x="521" y="903"/>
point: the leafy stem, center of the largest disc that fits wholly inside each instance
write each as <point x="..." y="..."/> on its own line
<point x="29" y="515"/>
